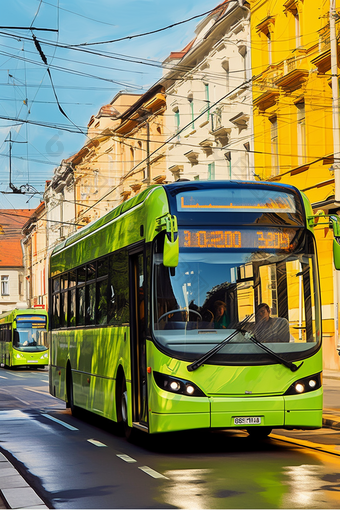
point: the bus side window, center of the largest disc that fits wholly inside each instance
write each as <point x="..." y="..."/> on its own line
<point x="56" y="305"/>
<point x="81" y="278"/>
<point x="16" y="339"/>
<point x="72" y="298"/>
<point x="118" y="310"/>
<point x="72" y="307"/>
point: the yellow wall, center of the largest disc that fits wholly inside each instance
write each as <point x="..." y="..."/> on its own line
<point x="292" y="68"/>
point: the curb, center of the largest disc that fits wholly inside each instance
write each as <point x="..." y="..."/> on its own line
<point x="14" y="489"/>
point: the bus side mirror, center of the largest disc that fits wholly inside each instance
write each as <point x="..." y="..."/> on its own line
<point x="14" y="324"/>
<point x="171" y="245"/>
<point x="334" y="222"/>
<point x="336" y="253"/>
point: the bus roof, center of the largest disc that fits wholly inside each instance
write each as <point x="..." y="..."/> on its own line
<point x="117" y="211"/>
<point x="11" y="314"/>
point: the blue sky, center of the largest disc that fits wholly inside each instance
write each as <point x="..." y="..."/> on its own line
<point x="83" y="82"/>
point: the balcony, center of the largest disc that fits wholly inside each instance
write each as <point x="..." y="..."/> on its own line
<point x="323" y="60"/>
<point x="294" y="75"/>
<point x="267" y="99"/>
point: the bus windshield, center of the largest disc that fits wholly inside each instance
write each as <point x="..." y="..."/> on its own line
<point x="267" y="277"/>
<point x="30" y="333"/>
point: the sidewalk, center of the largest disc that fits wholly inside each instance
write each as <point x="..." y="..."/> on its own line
<point x="14" y="490"/>
<point x="16" y="493"/>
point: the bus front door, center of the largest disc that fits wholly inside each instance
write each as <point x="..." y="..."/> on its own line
<point x="138" y="343"/>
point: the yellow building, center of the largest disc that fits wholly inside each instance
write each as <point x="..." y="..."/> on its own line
<point x="294" y="131"/>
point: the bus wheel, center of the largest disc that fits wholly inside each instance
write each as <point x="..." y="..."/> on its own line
<point x="129" y="432"/>
<point x="259" y="432"/>
<point x="74" y="409"/>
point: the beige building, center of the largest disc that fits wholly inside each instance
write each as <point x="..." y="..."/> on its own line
<point x="35" y="258"/>
<point x="209" y="96"/>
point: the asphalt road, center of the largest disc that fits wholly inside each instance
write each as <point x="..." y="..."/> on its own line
<point x="83" y="463"/>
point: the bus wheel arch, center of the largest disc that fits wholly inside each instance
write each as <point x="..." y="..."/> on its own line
<point x="69" y="390"/>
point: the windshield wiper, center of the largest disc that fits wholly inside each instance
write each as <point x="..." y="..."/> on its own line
<point x="199" y="362"/>
<point x="287" y="364"/>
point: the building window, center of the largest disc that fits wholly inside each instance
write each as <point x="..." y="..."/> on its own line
<point x="5" y="285"/>
<point x="269" y="46"/>
<point x="192" y="114"/>
<point x="207" y="100"/>
<point x="95" y="180"/>
<point x="274" y="145"/>
<point x="297" y="29"/>
<point x="177" y="119"/>
<point x="227" y="156"/>
<point x="211" y="171"/>
<point x="225" y="66"/>
<point x="301" y="133"/>
<point x="132" y="157"/>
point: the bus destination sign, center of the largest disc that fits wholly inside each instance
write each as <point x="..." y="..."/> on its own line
<point x="273" y="239"/>
<point x="232" y="200"/>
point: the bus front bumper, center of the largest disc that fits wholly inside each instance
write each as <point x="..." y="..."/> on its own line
<point x="294" y="411"/>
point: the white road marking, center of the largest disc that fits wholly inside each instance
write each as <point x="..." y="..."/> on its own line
<point x="127" y="458"/>
<point x="3" y="377"/>
<point x="70" y="427"/>
<point x="96" y="443"/>
<point x="152" y="472"/>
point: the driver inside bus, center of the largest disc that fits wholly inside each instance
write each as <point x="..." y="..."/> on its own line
<point x="270" y="329"/>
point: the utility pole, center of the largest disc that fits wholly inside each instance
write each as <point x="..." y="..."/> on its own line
<point x="336" y="145"/>
<point x="11" y="185"/>
<point x="335" y="97"/>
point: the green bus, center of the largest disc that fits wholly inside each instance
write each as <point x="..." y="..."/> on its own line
<point x="23" y="338"/>
<point x="156" y="311"/>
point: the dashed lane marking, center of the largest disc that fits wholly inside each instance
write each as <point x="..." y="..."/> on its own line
<point x="126" y="458"/>
<point x="3" y="377"/>
<point x="70" y="427"/>
<point x="152" y="472"/>
<point x="96" y="443"/>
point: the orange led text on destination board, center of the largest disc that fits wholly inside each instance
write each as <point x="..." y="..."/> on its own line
<point x="235" y="239"/>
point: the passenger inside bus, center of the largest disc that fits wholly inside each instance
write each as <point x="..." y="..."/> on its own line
<point x="270" y="329"/>
<point x="220" y="318"/>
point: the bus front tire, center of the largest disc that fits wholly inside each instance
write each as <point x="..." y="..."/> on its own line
<point x="122" y="412"/>
<point x="259" y="432"/>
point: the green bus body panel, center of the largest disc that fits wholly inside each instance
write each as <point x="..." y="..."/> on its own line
<point x="94" y="355"/>
<point x="112" y="232"/>
<point x="12" y="357"/>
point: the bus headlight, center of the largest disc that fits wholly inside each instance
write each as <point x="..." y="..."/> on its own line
<point x="176" y="385"/>
<point x="305" y="385"/>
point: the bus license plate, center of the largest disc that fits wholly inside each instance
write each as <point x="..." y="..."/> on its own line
<point x="247" y="420"/>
